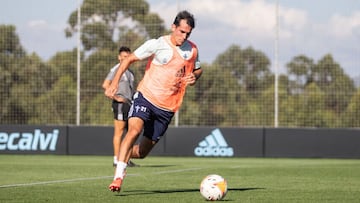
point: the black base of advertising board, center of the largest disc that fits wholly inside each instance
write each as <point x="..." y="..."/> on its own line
<point x="187" y="141"/>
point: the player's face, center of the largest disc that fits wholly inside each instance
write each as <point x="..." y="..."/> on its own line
<point x="180" y="33"/>
<point x="123" y="55"/>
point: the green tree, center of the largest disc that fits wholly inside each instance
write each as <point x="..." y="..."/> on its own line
<point x="301" y="69"/>
<point x="23" y="79"/>
<point x="93" y="72"/>
<point x="9" y="44"/>
<point x="34" y="80"/>
<point x="106" y="25"/>
<point x="130" y="39"/>
<point x="64" y="64"/>
<point x="214" y="100"/>
<point x="99" y="111"/>
<point x="336" y="87"/>
<point x="11" y="55"/>
<point x="266" y="109"/>
<point x="250" y="67"/>
<point x="332" y="80"/>
<point x="307" y="109"/>
<point x="249" y="73"/>
<point x="101" y="20"/>
<point x="351" y="116"/>
<point x="95" y="68"/>
<point x="58" y="105"/>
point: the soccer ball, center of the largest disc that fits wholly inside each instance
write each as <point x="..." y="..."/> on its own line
<point x="213" y="187"/>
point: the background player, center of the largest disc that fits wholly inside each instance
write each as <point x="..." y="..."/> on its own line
<point x="121" y="101"/>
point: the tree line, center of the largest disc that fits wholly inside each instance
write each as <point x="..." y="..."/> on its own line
<point x="237" y="89"/>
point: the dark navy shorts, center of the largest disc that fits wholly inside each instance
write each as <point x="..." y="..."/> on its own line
<point x="120" y="110"/>
<point x="156" y="120"/>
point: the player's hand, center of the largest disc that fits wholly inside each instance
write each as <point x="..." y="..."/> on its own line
<point x="190" y="79"/>
<point x="110" y="92"/>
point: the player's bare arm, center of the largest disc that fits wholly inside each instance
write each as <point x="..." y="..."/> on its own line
<point x="106" y="84"/>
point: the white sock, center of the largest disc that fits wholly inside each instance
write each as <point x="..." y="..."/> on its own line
<point x="120" y="170"/>
<point x="115" y="160"/>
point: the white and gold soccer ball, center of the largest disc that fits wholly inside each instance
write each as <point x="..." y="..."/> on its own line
<point x="213" y="187"/>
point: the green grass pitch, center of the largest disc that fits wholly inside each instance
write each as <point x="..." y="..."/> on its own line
<point x="52" y="178"/>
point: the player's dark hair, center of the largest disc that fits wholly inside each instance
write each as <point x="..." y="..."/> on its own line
<point x="123" y="48"/>
<point x="184" y="15"/>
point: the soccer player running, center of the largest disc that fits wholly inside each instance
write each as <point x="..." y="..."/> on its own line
<point x="121" y="101"/>
<point x="173" y="64"/>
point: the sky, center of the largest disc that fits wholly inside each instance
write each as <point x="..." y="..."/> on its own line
<point x="313" y="28"/>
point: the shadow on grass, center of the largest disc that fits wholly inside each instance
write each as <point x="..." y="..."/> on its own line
<point x="151" y="192"/>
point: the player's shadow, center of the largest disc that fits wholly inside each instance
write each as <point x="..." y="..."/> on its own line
<point x="152" y="192"/>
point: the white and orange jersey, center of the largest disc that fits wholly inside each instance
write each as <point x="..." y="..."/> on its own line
<point x="163" y="83"/>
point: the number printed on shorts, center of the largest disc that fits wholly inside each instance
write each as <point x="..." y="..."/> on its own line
<point x="140" y="108"/>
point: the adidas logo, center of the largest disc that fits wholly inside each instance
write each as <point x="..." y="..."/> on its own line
<point x="214" y="145"/>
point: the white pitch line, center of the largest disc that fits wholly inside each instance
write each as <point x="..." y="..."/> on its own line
<point x="87" y="179"/>
<point x="177" y="171"/>
<point x="54" y="181"/>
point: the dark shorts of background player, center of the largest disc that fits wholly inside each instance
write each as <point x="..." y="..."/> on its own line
<point x="156" y="120"/>
<point x="120" y="110"/>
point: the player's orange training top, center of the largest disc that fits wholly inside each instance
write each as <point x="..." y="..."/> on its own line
<point x="163" y="85"/>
